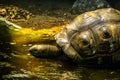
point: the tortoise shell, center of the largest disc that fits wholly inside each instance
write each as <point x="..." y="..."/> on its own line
<point x="91" y="34"/>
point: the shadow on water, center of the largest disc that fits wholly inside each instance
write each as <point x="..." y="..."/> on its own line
<point x="5" y="38"/>
<point x="5" y="48"/>
<point x="93" y="71"/>
<point x="89" y="71"/>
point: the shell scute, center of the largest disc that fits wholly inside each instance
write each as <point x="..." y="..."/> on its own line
<point x="94" y="32"/>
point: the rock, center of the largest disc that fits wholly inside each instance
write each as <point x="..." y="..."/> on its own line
<point x="81" y="6"/>
<point x="14" y="13"/>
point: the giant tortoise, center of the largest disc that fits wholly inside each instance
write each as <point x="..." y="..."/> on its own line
<point x="93" y="34"/>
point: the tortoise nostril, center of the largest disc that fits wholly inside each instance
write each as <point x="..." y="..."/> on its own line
<point x="34" y="52"/>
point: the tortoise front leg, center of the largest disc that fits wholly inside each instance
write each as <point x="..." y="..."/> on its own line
<point x="71" y="53"/>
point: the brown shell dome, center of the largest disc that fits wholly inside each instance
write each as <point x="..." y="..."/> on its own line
<point x="94" y="33"/>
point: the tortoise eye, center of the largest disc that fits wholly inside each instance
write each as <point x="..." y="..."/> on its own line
<point x="105" y="32"/>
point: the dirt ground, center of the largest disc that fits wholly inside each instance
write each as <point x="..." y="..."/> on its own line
<point x="45" y="13"/>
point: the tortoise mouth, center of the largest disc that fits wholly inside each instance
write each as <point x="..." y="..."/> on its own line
<point x="34" y="53"/>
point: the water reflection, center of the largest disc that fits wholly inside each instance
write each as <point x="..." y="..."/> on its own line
<point x="28" y="67"/>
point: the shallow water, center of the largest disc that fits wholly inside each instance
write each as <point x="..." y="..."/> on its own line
<point x="22" y="66"/>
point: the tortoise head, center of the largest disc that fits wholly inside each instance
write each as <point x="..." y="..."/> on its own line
<point x="44" y="51"/>
<point x="37" y="50"/>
